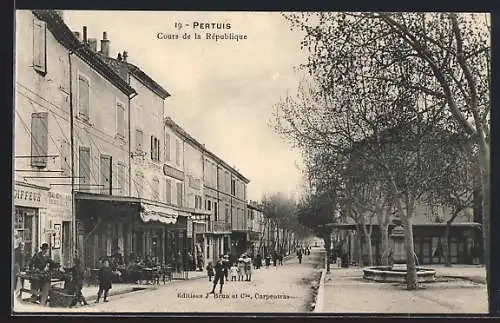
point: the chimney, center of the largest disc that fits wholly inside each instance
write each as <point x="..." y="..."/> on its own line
<point x="93" y="44"/>
<point x="60" y="14"/>
<point x="105" y="44"/>
<point x="125" y="55"/>
<point x="84" y="34"/>
<point x="78" y="36"/>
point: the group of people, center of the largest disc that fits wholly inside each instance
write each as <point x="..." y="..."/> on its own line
<point x="239" y="271"/>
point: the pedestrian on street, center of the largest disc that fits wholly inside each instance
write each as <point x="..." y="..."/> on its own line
<point x="248" y="268"/>
<point x="268" y="261"/>
<point x="210" y="271"/>
<point x="77" y="275"/>
<point x="299" y="255"/>
<point x="226" y="264"/>
<point x="234" y="272"/>
<point x="105" y="277"/>
<point x="241" y="268"/>
<point x="219" y="275"/>
<point x="258" y="261"/>
<point x="280" y="258"/>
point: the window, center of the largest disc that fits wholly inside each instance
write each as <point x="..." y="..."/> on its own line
<point x="210" y="205"/>
<point x="226" y="215"/>
<point x="179" y="194"/>
<point x="139" y="183"/>
<point x="155" y="148"/>
<point x="39" y="47"/>
<point x="120" y="177"/>
<point x="197" y="202"/>
<point x="156" y="189"/>
<point x="139" y="140"/>
<point x="168" y="191"/>
<point x="177" y="152"/>
<point x="233" y="187"/>
<point x="120" y="119"/>
<point x="84" y="168"/>
<point x="167" y="147"/>
<point x="105" y="174"/>
<point x="39" y="139"/>
<point x="83" y="97"/>
<point x="216" y="213"/>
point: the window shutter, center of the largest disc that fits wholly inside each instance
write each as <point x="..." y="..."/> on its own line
<point x="39" y="47"/>
<point x="120" y="120"/>
<point x="179" y="194"/>
<point x="177" y="153"/>
<point x="138" y="140"/>
<point x="157" y="149"/>
<point x="83" y="97"/>
<point x="152" y="148"/>
<point x="84" y="168"/>
<point x="167" y="147"/>
<point x="105" y="174"/>
<point x="39" y="139"/>
<point x="168" y="191"/>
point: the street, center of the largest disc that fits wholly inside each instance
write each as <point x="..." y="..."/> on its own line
<point x="275" y="289"/>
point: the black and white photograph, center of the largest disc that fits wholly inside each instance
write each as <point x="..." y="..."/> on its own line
<point x="251" y="162"/>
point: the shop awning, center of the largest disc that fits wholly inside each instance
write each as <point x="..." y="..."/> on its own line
<point x="161" y="214"/>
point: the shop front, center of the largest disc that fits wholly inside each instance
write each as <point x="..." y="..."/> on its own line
<point x="125" y="227"/>
<point x="30" y="208"/>
<point x="59" y="226"/>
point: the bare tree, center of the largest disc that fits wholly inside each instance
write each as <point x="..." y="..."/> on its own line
<point x="443" y="57"/>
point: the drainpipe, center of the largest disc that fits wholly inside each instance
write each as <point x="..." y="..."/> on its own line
<point x="74" y="239"/>
<point x="130" y="143"/>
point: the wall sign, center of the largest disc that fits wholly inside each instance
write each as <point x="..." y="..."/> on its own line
<point x="173" y="172"/>
<point x="56" y="236"/>
<point x="30" y="197"/>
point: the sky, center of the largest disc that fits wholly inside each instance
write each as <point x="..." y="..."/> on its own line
<point x="222" y="92"/>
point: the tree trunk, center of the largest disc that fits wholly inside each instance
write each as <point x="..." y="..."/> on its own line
<point x="368" y="240"/>
<point x="360" y="248"/>
<point x="411" y="273"/>
<point x="328" y="243"/>
<point x="384" y="239"/>
<point x="446" y="245"/>
<point x="484" y="164"/>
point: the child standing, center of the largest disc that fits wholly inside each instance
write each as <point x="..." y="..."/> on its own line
<point x="210" y="271"/>
<point x="234" y="272"/>
<point x="241" y="269"/>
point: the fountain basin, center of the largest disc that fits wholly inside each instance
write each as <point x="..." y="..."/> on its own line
<point x="396" y="274"/>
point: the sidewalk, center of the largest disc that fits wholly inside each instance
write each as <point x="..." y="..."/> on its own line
<point x="90" y="292"/>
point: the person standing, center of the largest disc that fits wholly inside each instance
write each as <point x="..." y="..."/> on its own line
<point x="105" y="277"/>
<point x="219" y="275"/>
<point x="77" y="275"/>
<point x="234" y="272"/>
<point x="258" y="261"/>
<point x="299" y="255"/>
<point x="226" y="264"/>
<point x="248" y="268"/>
<point x="210" y="271"/>
<point x="39" y="263"/>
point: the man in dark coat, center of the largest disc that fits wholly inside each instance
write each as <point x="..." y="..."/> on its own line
<point x="258" y="261"/>
<point x="105" y="277"/>
<point x="219" y="274"/>
<point x="226" y="265"/>
<point x="77" y="276"/>
<point x="39" y="263"/>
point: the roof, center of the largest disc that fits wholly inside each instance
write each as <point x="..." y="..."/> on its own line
<point x="119" y="67"/>
<point x="65" y="37"/>
<point x="169" y="122"/>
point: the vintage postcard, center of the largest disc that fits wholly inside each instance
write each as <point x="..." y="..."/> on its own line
<point x="251" y="162"/>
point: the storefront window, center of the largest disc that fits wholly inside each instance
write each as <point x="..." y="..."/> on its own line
<point x="26" y="226"/>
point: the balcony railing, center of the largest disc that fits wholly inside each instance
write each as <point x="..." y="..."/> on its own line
<point x="219" y="227"/>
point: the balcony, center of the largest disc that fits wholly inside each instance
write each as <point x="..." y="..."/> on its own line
<point x="219" y="227"/>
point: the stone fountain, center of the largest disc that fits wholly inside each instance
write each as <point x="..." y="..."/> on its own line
<point x="397" y="271"/>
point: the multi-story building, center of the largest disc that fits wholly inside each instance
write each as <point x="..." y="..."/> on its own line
<point x="255" y="227"/>
<point x="63" y="95"/>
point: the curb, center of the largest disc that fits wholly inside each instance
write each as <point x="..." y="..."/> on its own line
<point x="471" y="279"/>
<point x="318" y="302"/>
